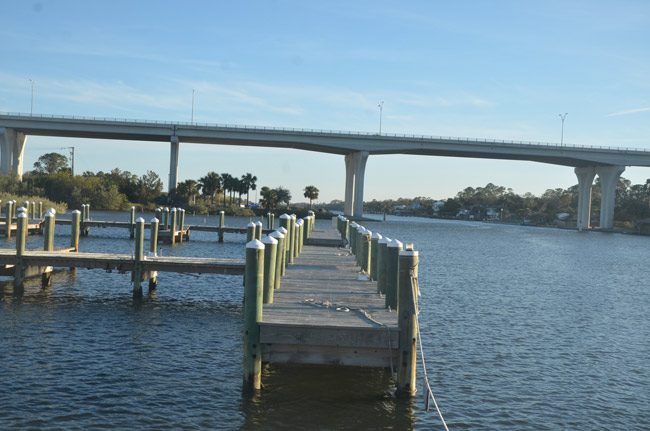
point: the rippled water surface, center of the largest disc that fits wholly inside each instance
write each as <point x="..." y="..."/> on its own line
<point x="523" y="328"/>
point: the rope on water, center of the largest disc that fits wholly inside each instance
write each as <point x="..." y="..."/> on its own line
<point x="427" y="387"/>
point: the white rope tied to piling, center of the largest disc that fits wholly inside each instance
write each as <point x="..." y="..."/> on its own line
<point x="427" y="386"/>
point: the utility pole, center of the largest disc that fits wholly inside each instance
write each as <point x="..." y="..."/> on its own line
<point x="381" y="109"/>
<point x="71" y="158"/>
<point x="562" y="117"/>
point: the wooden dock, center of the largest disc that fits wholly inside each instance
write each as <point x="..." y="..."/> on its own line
<point x="120" y="262"/>
<point x="327" y="312"/>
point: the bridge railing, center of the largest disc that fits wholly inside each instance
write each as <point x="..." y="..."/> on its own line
<point x="323" y="132"/>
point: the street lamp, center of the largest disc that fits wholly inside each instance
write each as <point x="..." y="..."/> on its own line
<point x="381" y="109"/>
<point x="192" y="117"/>
<point x="31" y="106"/>
<point x="562" y="117"/>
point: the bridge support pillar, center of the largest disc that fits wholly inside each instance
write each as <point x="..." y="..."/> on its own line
<point x="12" y="149"/>
<point x="585" y="181"/>
<point x="173" y="165"/>
<point x="609" y="176"/>
<point x="355" y="168"/>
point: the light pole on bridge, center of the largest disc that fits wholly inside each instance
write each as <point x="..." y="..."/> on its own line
<point x="562" y="117"/>
<point x="381" y="109"/>
<point x="31" y="105"/>
<point x="192" y="117"/>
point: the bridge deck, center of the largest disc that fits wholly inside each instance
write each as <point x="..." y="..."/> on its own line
<point x="326" y="312"/>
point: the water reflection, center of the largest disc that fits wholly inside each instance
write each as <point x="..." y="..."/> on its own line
<point x="293" y="397"/>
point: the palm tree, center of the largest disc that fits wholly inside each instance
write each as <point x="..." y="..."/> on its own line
<point x="249" y="181"/>
<point x="210" y="185"/>
<point x="311" y="193"/>
<point x="188" y="189"/>
<point x="284" y="195"/>
<point x="227" y="186"/>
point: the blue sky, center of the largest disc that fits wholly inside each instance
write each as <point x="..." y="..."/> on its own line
<point x="502" y="69"/>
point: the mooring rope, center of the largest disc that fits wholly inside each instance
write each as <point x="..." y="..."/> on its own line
<point x="427" y="386"/>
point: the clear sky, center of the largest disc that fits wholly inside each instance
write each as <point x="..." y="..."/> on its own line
<point x="497" y="69"/>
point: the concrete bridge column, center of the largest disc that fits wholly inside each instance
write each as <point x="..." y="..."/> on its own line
<point x="349" y="185"/>
<point x="355" y="168"/>
<point x="585" y="181"/>
<point x="12" y="149"/>
<point x="609" y="176"/>
<point x="173" y="164"/>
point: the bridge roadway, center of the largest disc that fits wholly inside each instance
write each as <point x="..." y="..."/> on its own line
<point x="608" y="163"/>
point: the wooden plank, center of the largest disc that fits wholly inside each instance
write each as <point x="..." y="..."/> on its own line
<point x="327" y="355"/>
<point x="336" y="336"/>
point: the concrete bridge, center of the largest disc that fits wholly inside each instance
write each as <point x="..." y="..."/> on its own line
<point x="607" y="163"/>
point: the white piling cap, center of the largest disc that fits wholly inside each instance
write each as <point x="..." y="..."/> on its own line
<point x="173" y="210"/>
<point x="277" y="234"/>
<point x="376" y="235"/>
<point x="283" y="230"/>
<point x="300" y="222"/>
<point x="354" y="224"/>
<point x="21" y="215"/>
<point x="267" y="239"/>
<point x="21" y="210"/>
<point x="285" y="216"/>
<point x="395" y="243"/>
<point x="139" y="220"/>
<point x="251" y="224"/>
<point x="154" y="220"/>
<point x="259" y="223"/>
<point x="413" y="253"/>
<point x="384" y="240"/>
<point x="132" y="208"/>
<point x="53" y="211"/>
<point x="367" y="232"/>
<point x="256" y="244"/>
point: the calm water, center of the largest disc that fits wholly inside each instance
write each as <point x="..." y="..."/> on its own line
<point x="523" y="329"/>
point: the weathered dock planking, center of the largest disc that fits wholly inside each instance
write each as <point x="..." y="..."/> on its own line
<point x="327" y="312"/>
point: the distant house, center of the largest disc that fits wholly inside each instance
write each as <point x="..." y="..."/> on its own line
<point x="437" y="206"/>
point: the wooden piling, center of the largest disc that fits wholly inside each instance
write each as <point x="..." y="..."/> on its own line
<point x="352" y="237"/>
<point x="21" y="239"/>
<point x="292" y="234"/>
<point x="285" y="222"/>
<point x="172" y="225"/>
<point x="270" y="256"/>
<point x="365" y="251"/>
<point x="285" y="246"/>
<point x="48" y="243"/>
<point x="374" y="249"/>
<point x="251" y="231"/>
<point x="253" y="296"/>
<point x="9" y="219"/>
<point x="382" y="259"/>
<point x="153" y="249"/>
<point x="40" y="209"/>
<point x="165" y="219"/>
<point x="407" y="321"/>
<point x="258" y="230"/>
<point x="279" y="258"/>
<point x="138" y="258"/>
<point x="222" y="224"/>
<point x="132" y="224"/>
<point x="392" y="259"/>
<point x="75" y="230"/>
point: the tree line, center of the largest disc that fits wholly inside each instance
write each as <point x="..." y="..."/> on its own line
<point x="117" y="189"/>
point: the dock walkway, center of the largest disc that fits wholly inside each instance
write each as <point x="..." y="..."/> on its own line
<point x="327" y="312"/>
